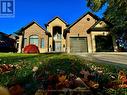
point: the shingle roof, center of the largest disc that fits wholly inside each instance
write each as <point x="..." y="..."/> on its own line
<point x="3" y="36"/>
<point x="5" y="41"/>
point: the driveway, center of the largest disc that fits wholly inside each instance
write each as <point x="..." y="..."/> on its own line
<point x="110" y="57"/>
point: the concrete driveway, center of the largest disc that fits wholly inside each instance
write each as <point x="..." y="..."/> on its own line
<point x="110" y="57"/>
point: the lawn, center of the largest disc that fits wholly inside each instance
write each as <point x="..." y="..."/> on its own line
<point x="29" y="70"/>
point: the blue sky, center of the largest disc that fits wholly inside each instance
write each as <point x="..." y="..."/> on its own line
<point x="42" y="11"/>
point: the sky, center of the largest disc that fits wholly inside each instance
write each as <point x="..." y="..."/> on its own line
<point x="42" y="11"/>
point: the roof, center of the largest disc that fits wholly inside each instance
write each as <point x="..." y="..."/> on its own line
<point x="93" y="28"/>
<point x="54" y="19"/>
<point x="20" y="31"/>
<point x="91" y="14"/>
<point x="1" y="33"/>
<point x="13" y="36"/>
<point x="3" y="36"/>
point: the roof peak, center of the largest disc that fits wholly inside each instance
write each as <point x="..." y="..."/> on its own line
<point x="54" y="19"/>
<point x="28" y="25"/>
<point x="90" y="13"/>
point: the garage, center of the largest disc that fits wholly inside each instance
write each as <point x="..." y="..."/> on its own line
<point x="104" y="43"/>
<point x="78" y="44"/>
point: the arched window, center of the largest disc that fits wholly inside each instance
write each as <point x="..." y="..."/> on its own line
<point x="34" y="40"/>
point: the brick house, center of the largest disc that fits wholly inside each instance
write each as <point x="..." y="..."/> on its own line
<point x="87" y="34"/>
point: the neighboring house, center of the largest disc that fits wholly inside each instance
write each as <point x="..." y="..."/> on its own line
<point x="87" y="34"/>
<point x="7" y="44"/>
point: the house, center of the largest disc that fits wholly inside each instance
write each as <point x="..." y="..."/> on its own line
<point x="7" y="43"/>
<point x="87" y="34"/>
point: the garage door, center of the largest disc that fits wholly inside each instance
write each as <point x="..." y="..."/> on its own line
<point x="78" y="44"/>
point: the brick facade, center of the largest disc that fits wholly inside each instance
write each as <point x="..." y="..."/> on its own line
<point x="78" y="29"/>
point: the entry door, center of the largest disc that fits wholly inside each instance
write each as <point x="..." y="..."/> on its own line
<point x="78" y="44"/>
<point x="58" y="46"/>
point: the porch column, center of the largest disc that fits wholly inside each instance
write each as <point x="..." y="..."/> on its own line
<point x="20" y="44"/>
<point x="93" y="44"/>
<point x="89" y="43"/>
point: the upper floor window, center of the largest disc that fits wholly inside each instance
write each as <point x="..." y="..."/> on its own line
<point x="57" y="32"/>
<point x="57" y="36"/>
<point x="34" y="40"/>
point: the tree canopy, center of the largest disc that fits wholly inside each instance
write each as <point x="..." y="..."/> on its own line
<point x="116" y="13"/>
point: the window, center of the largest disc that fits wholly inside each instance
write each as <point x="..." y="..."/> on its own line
<point x="34" y="40"/>
<point x="57" y="32"/>
<point x="25" y="42"/>
<point x="42" y="43"/>
<point x="57" y="36"/>
<point x="88" y="19"/>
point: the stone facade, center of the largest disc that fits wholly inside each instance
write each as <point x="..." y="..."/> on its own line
<point x="59" y="37"/>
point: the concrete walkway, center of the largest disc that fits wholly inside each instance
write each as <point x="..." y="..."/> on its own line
<point x="110" y="57"/>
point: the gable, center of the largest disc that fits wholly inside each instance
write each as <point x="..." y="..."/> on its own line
<point x="33" y="26"/>
<point x="34" y="29"/>
<point x="81" y="26"/>
<point x="56" y="20"/>
<point x="88" y="14"/>
<point x="100" y="24"/>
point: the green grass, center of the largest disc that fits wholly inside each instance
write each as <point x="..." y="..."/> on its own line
<point x="28" y="61"/>
<point x="51" y="63"/>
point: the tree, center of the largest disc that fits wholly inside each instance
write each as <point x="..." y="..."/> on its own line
<point x="116" y="14"/>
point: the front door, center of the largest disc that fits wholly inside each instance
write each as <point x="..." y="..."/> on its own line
<point x="58" y="46"/>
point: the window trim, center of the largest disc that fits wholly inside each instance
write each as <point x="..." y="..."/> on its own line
<point x="30" y="37"/>
<point x="43" y="43"/>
